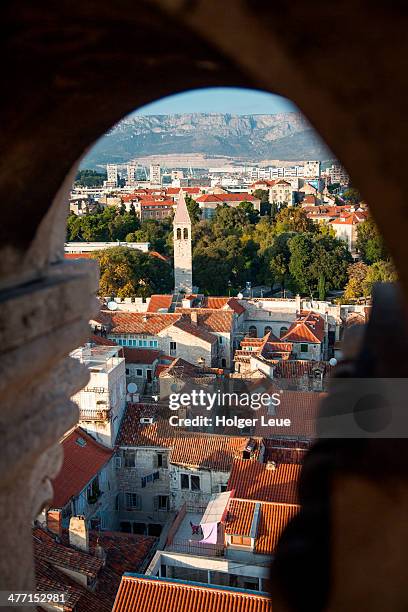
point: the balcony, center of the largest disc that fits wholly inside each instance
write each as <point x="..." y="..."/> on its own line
<point x="183" y="539"/>
<point x="99" y="415"/>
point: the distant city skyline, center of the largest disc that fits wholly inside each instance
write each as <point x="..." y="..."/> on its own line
<point x="233" y="100"/>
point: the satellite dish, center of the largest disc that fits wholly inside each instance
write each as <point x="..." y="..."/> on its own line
<point x="112" y="305"/>
<point x="240" y="296"/>
<point x="333" y="361"/>
<point x="132" y="388"/>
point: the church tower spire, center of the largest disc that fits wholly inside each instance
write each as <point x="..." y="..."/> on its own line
<point x="183" y="264"/>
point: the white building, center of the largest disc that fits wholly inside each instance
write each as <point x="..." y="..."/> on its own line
<point x="112" y="175"/>
<point x="131" y="174"/>
<point x="155" y="175"/>
<point x="102" y="402"/>
<point x="90" y="247"/>
<point x="311" y="169"/>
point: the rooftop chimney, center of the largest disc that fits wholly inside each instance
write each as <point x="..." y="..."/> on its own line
<point x="194" y="318"/>
<point x="54" y="521"/>
<point x="78" y="533"/>
<point x="100" y="552"/>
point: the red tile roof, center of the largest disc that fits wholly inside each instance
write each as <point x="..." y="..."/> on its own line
<point x="350" y="219"/>
<point x="124" y="552"/>
<point x="253" y="480"/>
<point x="134" y="355"/>
<point x="95" y="339"/>
<point x="82" y="461"/>
<point x="285" y="451"/>
<point x="308" y="327"/>
<point x="48" y="550"/>
<point x="159" y="256"/>
<point x="199" y="331"/>
<point x="208" y="451"/>
<point x="176" y="190"/>
<point x="137" y="593"/>
<point x="159" y="301"/>
<point x="211" y="320"/>
<point x="236" y="306"/>
<point x="139" y="322"/>
<point x="201" y="450"/>
<point x="272" y="520"/>
<point x="77" y="255"/>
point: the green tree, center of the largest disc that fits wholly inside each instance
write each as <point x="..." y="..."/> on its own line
<point x="193" y="209"/>
<point x="369" y="242"/>
<point x="251" y="213"/>
<point x="357" y="274"/>
<point x="379" y="272"/>
<point x="321" y="287"/>
<point x="90" y="178"/>
<point x="314" y="256"/>
<point x="229" y="221"/>
<point x="352" y="195"/>
<point x="263" y="196"/>
<point x="158" y="233"/>
<point x="128" y="272"/>
<point x="293" y="219"/>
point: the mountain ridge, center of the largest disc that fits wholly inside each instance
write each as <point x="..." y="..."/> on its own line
<point x="285" y="136"/>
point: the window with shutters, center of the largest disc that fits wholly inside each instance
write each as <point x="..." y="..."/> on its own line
<point x="161" y="502"/>
<point x="240" y="540"/>
<point x="133" y="501"/>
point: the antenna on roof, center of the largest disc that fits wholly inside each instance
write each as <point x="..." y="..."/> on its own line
<point x="112" y="305"/>
<point x="132" y="394"/>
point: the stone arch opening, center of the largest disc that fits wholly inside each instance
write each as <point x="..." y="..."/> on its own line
<point x="58" y="71"/>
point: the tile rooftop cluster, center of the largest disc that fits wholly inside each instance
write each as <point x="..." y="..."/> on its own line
<point x="83" y="458"/>
<point x="61" y="568"/>
<point x="264" y="482"/>
<point x="162" y="595"/>
<point x="266" y="525"/>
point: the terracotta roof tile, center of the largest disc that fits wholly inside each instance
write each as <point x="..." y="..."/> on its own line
<point x="162" y="595"/>
<point x="210" y="320"/>
<point x="253" y="480"/>
<point x="285" y="451"/>
<point x="272" y="520"/>
<point x="124" y="552"/>
<point x="203" y="450"/>
<point x="95" y="339"/>
<point x="77" y="255"/>
<point x="308" y="327"/>
<point x="48" y="550"/>
<point x="139" y="322"/>
<point x="82" y="461"/>
<point x="159" y="301"/>
<point x="199" y="331"/>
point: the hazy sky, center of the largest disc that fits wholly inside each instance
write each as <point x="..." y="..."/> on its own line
<point x="232" y="100"/>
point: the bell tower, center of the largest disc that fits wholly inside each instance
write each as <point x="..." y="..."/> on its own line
<point x="183" y="264"/>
